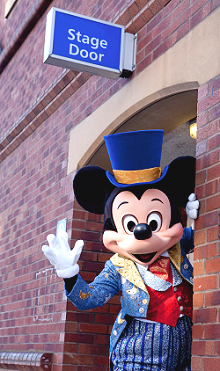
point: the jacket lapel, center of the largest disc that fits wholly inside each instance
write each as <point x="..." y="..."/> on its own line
<point x="175" y="256"/>
<point x="128" y="270"/>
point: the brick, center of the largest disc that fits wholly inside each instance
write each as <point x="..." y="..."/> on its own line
<point x="211" y="364"/>
<point x="207" y="315"/>
<point x="214" y="142"/>
<point x="93" y="328"/>
<point x="76" y="359"/>
<point x="208" y="220"/>
<point x="213" y="265"/>
<point x="212" y="298"/>
<point x="91" y="226"/>
<point x="133" y="9"/>
<point x="202" y="119"/>
<point x="180" y="8"/>
<point x="210" y="348"/>
<point x="213" y="172"/>
<point x="207" y="131"/>
<point x="171" y="28"/>
<point x="199" y="268"/>
<point x="105" y="319"/>
<point x="79" y="338"/>
<point x="214" y="84"/>
<point x="199" y="237"/>
<point x="100" y="360"/>
<point x="138" y="22"/>
<point x="207" y="189"/>
<point x="212" y="332"/>
<point x="180" y="32"/>
<point x="162" y="26"/>
<point x="218" y="348"/>
<point x="141" y="3"/>
<point x="205" y="283"/>
<point x="92" y="349"/>
<point x="145" y="40"/>
<point x="209" y="101"/>
<point x="214" y="112"/>
<point x="207" y="160"/>
<point x="198" y="300"/>
<point x="212" y="235"/>
<point x="154" y="6"/>
<point x="197" y="364"/>
<point x="200" y="15"/>
<point x="200" y="177"/>
<point x="213" y="203"/>
<point x="198" y="348"/>
<point x="125" y="17"/>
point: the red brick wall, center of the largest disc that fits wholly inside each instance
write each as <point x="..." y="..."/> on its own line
<point x="206" y="330"/>
<point x="35" y="194"/>
<point x="39" y="105"/>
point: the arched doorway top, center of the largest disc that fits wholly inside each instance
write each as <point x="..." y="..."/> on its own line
<point x="164" y="109"/>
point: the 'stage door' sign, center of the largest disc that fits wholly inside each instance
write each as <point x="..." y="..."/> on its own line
<point x="88" y="45"/>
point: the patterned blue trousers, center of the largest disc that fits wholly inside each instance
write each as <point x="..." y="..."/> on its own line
<point x="154" y="346"/>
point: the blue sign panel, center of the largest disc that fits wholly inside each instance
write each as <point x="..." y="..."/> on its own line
<point x="85" y="40"/>
<point x="77" y="40"/>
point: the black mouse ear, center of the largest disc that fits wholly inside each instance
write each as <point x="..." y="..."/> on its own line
<point x="180" y="178"/>
<point x="92" y="188"/>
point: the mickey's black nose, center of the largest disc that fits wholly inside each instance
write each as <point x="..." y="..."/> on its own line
<point x="142" y="231"/>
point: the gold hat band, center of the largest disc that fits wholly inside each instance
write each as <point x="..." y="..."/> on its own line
<point x="137" y="176"/>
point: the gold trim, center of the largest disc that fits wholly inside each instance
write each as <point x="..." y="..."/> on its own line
<point x="119" y="320"/>
<point x="128" y="270"/>
<point x="137" y="176"/>
<point x="175" y="256"/>
<point x="83" y="295"/>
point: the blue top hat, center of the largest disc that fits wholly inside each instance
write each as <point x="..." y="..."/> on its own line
<point x="135" y="157"/>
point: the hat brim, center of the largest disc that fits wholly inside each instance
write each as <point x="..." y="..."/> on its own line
<point x="93" y="185"/>
<point x="113" y="181"/>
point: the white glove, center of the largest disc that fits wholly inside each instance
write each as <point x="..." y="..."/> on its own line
<point x="192" y="207"/>
<point x="61" y="256"/>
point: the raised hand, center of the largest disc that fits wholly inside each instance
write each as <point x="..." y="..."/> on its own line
<point x="61" y="256"/>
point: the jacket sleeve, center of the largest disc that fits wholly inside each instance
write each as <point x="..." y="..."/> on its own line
<point x="187" y="241"/>
<point x="87" y="296"/>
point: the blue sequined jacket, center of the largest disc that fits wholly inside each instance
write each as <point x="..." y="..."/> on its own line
<point x="121" y="275"/>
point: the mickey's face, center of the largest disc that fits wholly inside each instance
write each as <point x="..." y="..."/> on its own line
<point x="143" y="231"/>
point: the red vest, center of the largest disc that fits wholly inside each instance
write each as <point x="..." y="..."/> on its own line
<point x="166" y="306"/>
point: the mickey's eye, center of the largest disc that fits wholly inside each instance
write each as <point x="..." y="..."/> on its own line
<point x="154" y="220"/>
<point x="128" y="223"/>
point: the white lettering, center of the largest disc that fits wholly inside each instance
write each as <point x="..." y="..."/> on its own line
<point x="70" y="31"/>
<point x="94" y="42"/>
<point x="75" y="49"/>
<point x="103" y="44"/>
<point x="71" y="49"/>
<point x="93" y="56"/>
<point x="85" y="39"/>
<point x="84" y="53"/>
<point x="78" y="36"/>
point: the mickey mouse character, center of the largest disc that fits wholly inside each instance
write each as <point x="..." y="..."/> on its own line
<point x="149" y="268"/>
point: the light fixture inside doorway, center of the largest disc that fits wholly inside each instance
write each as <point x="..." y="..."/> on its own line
<point x="193" y="127"/>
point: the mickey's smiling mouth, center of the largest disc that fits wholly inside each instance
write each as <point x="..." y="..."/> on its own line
<point x="145" y="258"/>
